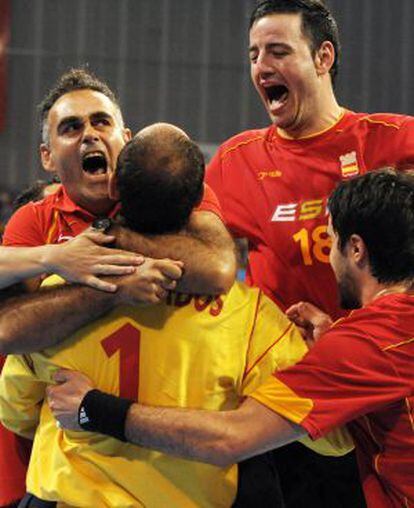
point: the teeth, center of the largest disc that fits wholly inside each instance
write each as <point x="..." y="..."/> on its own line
<point x="93" y="154"/>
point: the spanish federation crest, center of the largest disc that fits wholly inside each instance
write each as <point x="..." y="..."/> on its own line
<point x="349" y="165"/>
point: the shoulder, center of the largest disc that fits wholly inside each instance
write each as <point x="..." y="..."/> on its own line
<point x="244" y="140"/>
<point x="369" y="328"/>
<point x="27" y="225"/>
<point x="388" y="121"/>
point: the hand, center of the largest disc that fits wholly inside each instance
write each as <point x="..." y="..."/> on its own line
<point x="310" y="320"/>
<point x="84" y="257"/>
<point x="65" y="398"/>
<point x="151" y="281"/>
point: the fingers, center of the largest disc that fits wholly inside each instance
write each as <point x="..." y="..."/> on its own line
<point x="293" y="310"/>
<point x="160" y="294"/>
<point x="312" y="314"/>
<point x="168" y="284"/>
<point x="104" y="269"/>
<point x="98" y="237"/>
<point x="119" y="257"/>
<point x="102" y="285"/>
<point x="62" y="375"/>
<point x="294" y="314"/>
<point x="171" y="269"/>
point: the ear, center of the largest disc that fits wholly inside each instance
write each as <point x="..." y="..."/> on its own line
<point x="47" y="158"/>
<point x="358" y="250"/>
<point x="127" y="135"/>
<point x="113" y="187"/>
<point x="324" y="58"/>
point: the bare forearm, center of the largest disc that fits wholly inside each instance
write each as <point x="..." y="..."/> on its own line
<point x="208" y="254"/>
<point x="19" y="263"/>
<point x="216" y="437"/>
<point x="186" y="433"/>
<point x="35" y="321"/>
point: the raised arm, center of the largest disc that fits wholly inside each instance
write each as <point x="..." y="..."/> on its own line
<point x="38" y="320"/>
<point x="205" y="247"/>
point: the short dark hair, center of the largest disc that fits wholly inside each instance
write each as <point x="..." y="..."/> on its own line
<point x="318" y="23"/>
<point x="379" y="207"/>
<point x="72" y="80"/>
<point x="160" y="181"/>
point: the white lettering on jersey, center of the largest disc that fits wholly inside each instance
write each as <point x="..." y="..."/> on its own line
<point x="284" y="213"/>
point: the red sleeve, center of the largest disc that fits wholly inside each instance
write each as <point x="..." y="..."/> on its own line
<point x="23" y="228"/>
<point x="404" y="151"/>
<point x="391" y="146"/>
<point x="232" y="184"/>
<point x="209" y="202"/>
<point x="346" y="375"/>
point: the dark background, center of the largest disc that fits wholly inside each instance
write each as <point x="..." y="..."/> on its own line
<point x="184" y="61"/>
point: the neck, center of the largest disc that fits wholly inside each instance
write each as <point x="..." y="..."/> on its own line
<point x="376" y="290"/>
<point x="323" y="116"/>
<point x="99" y="208"/>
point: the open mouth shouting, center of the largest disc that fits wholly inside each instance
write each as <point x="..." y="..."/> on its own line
<point x="94" y="163"/>
<point x="277" y="96"/>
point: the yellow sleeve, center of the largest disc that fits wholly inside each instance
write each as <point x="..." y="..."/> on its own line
<point x="336" y="443"/>
<point x="21" y="396"/>
<point x="276" y="344"/>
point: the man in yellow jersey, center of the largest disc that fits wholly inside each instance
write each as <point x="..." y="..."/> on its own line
<point x="190" y="351"/>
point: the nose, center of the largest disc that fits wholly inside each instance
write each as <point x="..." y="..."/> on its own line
<point x="262" y="66"/>
<point x="90" y="134"/>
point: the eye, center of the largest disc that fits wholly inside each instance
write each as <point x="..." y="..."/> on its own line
<point x="102" y="121"/>
<point x="253" y="57"/>
<point x="68" y="128"/>
<point x="279" y="54"/>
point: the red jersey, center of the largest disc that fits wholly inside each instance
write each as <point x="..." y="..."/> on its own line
<point x="360" y="371"/>
<point x="273" y="191"/>
<point x="56" y="219"/>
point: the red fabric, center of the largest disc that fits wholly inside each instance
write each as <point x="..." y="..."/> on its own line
<point x="56" y="218"/>
<point x="14" y="459"/>
<point x="361" y="371"/>
<point x="259" y="176"/>
<point x="210" y="203"/>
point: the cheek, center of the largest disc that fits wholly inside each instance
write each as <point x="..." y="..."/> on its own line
<point x="333" y="260"/>
<point x="117" y="144"/>
<point x="253" y="75"/>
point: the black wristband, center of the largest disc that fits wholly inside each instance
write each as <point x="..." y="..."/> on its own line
<point x="104" y="413"/>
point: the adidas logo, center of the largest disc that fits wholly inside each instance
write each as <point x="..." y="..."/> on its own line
<point x="83" y="417"/>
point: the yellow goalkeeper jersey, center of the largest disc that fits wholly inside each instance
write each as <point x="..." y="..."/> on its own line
<point x="195" y="352"/>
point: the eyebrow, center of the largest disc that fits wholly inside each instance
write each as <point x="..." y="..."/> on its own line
<point x="73" y="120"/>
<point x="100" y="114"/>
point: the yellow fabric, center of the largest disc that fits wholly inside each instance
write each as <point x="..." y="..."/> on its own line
<point x="280" y="398"/>
<point x="206" y="358"/>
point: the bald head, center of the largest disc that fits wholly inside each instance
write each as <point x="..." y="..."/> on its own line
<point x="161" y="129"/>
<point x="159" y="177"/>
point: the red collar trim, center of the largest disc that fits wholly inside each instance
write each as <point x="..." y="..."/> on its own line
<point x="63" y="203"/>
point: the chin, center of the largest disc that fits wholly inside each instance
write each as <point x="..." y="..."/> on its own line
<point x="349" y="299"/>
